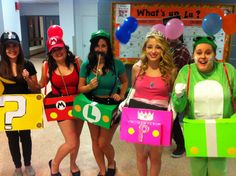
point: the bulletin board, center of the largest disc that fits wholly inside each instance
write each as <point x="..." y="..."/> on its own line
<point x="149" y="14"/>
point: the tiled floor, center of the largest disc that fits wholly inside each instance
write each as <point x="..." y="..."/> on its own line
<point x="46" y="141"/>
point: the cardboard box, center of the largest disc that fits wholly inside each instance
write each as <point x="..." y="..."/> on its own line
<point x="93" y="112"/>
<point x="210" y="138"/>
<point x="146" y="126"/>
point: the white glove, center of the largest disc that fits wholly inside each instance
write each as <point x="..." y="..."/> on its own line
<point x="126" y="101"/>
<point x="180" y="88"/>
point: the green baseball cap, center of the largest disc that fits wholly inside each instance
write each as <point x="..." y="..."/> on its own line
<point x="100" y="33"/>
<point x="205" y="39"/>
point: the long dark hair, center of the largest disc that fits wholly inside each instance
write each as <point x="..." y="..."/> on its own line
<point x="52" y="65"/>
<point x="5" y="65"/>
<point x="92" y="56"/>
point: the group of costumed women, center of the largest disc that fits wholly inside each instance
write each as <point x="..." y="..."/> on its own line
<point x="201" y="88"/>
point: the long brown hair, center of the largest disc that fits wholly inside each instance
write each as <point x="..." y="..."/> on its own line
<point x="5" y="65"/>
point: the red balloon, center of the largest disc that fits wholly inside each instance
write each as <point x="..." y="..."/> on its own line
<point x="55" y="30"/>
<point x="228" y="24"/>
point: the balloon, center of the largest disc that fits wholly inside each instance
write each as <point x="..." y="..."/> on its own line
<point x="212" y="23"/>
<point x="130" y="23"/>
<point x="229" y="24"/>
<point x="159" y="27"/>
<point x="122" y="34"/>
<point x="174" y="29"/>
<point x="55" y="30"/>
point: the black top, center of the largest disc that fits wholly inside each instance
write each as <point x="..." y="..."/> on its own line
<point x="21" y="86"/>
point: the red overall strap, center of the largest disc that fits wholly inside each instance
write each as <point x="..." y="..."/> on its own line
<point x="46" y="72"/>
<point x="231" y="91"/>
<point x="188" y="83"/>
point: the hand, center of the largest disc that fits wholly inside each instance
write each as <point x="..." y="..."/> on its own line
<point x="180" y="88"/>
<point x="93" y="83"/>
<point x="126" y="101"/>
<point x="117" y="97"/>
<point x="25" y="74"/>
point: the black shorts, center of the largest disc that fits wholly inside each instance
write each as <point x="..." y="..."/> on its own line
<point x="139" y="104"/>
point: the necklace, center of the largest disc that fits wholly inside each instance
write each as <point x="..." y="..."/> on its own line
<point x="151" y="84"/>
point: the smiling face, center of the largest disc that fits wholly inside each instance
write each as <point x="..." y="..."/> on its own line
<point x="101" y="47"/>
<point x="59" y="53"/>
<point x="153" y="50"/>
<point x="12" y="50"/>
<point x="204" y="57"/>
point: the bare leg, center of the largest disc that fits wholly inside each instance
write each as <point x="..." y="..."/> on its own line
<point x="155" y="160"/>
<point x="98" y="153"/>
<point x="104" y="143"/>
<point x="141" y="158"/>
<point x="71" y="142"/>
<point x="73" y="154"/>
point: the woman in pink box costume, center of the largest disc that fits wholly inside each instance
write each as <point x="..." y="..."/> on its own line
<point x="152" y="79"/>
<point x="208" y="96"/>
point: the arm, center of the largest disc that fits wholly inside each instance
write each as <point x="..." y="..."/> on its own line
<point x="32" y="83"/>
<point x="179" y="96"/>
<point x="79" y="60"/>
<point x="123" y="88"/>
<point x="135" y="71"/>
<point x="44" y="75"/>
<point x="29" y="74"/>
<point x="85" y="88"/>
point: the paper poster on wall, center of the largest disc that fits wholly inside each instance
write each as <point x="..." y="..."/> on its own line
<point x="149" y="14"/>
<point x="122" y="12"/>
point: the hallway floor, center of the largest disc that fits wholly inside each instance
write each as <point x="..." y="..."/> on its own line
<point x="47" y="140"/>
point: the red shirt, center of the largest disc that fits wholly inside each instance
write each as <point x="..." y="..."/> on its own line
<point x="71" y="80"/>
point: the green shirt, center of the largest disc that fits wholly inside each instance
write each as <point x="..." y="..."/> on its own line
<point x="105" y="82"/>
<point x="209" y="93"/>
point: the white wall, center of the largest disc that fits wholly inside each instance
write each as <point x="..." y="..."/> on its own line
<point x="66" y="15"/>
<point x="11" y="17"/>
<point x="83" y="8"/>
<point x="38" y="9"/>
<point x="1" y="18"/>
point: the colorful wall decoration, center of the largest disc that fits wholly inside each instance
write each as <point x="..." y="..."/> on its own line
<point x="149" y="14"/>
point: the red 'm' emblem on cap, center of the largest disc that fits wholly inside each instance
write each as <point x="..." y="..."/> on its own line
<point x="53" y="40"/>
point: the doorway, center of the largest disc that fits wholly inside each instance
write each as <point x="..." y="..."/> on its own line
<point x="89" y="26"/>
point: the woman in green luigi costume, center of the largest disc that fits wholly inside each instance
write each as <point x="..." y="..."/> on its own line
<point x="100" y="77"/>
<point x="206" y="94"/>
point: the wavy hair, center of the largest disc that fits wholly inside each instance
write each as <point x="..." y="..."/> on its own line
<point x="92" y="56"/>
<point x="166" y="64"/>
<point x="52" y="65"/>
<point x="5" y="65"/>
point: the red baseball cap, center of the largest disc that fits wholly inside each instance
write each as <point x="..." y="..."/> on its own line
<point x="55" y="42"/>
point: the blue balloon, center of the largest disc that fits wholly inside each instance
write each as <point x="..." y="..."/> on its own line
<point x="122" y="34"/>
<point x="212" y="23"/>
<point x="130" y="23"/>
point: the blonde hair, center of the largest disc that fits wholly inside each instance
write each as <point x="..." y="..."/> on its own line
<point x="166" y="64"/>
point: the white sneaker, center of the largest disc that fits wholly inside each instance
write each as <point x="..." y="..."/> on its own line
<point x="30" y="171"/>
<point x="18" y="172"/>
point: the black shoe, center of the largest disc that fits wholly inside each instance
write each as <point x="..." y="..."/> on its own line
<point x="111" y="171"/>
<point x="50" y="166"/>
<point x="179" y="152"/>
<point x="75" y="173"/>
<point x="100" y="174"/>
